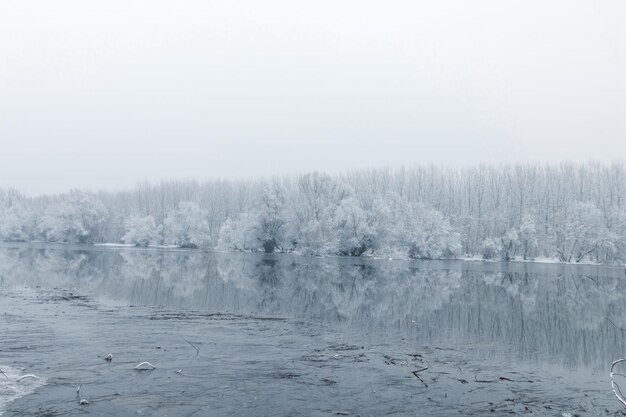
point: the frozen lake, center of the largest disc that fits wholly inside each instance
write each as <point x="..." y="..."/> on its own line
<point x="283" y="335"/>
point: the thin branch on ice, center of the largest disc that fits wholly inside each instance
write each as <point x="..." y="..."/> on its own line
<point x="614" y="385"/>
<point x="145" y="366"/>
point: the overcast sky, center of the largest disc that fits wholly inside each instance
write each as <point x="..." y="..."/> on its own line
<point x="103" y="94"/>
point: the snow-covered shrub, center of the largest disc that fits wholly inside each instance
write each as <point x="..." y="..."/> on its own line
<point x="311" y="220"/>
<point x="15" y="223"/>
<point x="527" y="236"/>
<point x="269" y="219"/>
<point x="509" y="244"/>
<point x="187" y="226"/>
<point x="238" y="234"/>
<point x="491" y="248"/>
<point x="583" y="232"/>
<point x="78" y="217"/>
<point x="316" y="238"/>
<point x="617" y="225"/>
<point x="141" y="231"/>
<point x="354" y="234"/>
<point x="426" y="233"/>
<point x="262" y="228"/>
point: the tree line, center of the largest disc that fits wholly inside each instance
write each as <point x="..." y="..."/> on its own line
<point x="572" y="212"/>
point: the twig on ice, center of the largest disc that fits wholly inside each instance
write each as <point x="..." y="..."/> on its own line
<point x="27" y="376"/>
<point x="193" y="346"/>
<point x="416" y="373"/>
<point x="5" y="375"/>
<point x="491" y="381"/>
<point x="614" y="385"/>
<point x="145" y="366"/>
<point x="615" y="325"/>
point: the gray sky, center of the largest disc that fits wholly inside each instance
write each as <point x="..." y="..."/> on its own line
<point x="103" y="94"/>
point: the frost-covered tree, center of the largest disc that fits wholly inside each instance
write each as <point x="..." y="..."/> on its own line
<point x="187" y="226"/>
<point x="16" y="217"/>
<point x="78" y="217"/>
<point x="270" y="219"/>
<point x="14" y="225"/>
<point x="239" y="234"/>
<point x="617" y="226"/>
<point x="527" y="237"/>
<point x="425" y="233"/>
<point x="582" y="231"/>
<point x="315" y="237"/>
<point x="509" y="244"/>
<point x="312" y="213"/>
<point x="529" y="209"/>
<point x="491" y="248"/>
<point x="262" y="228"/>
<point x="141" y="231"/>
<point x="352" y="228"/>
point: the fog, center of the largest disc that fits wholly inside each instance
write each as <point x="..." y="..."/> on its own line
<point x="103" y="95"/>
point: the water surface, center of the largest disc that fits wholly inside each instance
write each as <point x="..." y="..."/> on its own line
<point x="288" y="335"/>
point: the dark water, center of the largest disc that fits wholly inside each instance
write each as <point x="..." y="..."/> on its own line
<point x="288" y="335"/>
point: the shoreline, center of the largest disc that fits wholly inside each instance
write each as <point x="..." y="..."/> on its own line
<point x="540" y="260"/>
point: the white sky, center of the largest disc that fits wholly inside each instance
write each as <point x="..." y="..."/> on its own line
<point x="103" y="94"/>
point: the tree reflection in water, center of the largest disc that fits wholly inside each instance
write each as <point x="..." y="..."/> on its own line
<point x="552" y="313"/>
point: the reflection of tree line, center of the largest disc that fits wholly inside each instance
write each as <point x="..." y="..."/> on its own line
<point x="563" y="315"/>
<point x="538" y="313"/>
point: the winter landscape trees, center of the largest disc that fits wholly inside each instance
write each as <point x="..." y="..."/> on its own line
<point x="142" y="231"/>
<point x="570" y="212"/>
<point x="76" y="217"/>
<point x="186" y="226"/>
<point x="16" y="221"/>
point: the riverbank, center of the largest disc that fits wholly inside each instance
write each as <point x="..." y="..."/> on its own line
<point x="395" y="257"/>
<point x="468" y="258"/>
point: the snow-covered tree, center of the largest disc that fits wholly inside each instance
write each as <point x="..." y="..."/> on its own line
<point x="582" y="231"/>
<point x="529" y="209"/>
<point x="426" y="233"/>
<point x="354" y="234"/>
<point x="315" y="237"/>
<point x="13" y="226"/>
<point x="617" y="226"/>
<point x="491" y="248"/>
<point x="270" y="219"/>
<point x="141" y="231"/>
<point x="239" y="234"/>
<point x="527" y="237"/>
<point x="262" y="228"/>
<point x="78" y="217"/>
<point x="312" y="213"/>
<point x="16" y="217"/>
<point x="509" y="244"/>
<point x="187" y="226"/>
